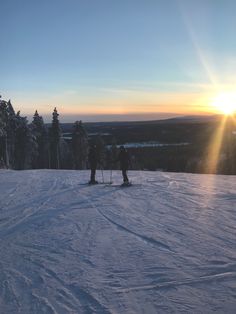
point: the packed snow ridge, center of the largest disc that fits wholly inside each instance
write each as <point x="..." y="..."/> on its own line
<point x="167" y="244"/>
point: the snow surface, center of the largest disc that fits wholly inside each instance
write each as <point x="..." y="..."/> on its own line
<point x="165" y="245"/>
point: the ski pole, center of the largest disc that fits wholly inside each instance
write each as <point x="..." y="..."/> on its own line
<point x="111" y="176"/>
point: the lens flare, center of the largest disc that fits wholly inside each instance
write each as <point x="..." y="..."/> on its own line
<point x="225" y="102"/>
<point x="214" y="149"/>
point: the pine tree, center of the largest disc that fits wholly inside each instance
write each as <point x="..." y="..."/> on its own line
<point x="11" y="135"/>
<point x="3" y="134"/>
<point x="79" y="145"/>
<point x="39" y="132"/>
<point x="3" y="117"/>
<point x="55" y="135"/>
<point x="25" y="145"/>
<point x="8" y="127"/>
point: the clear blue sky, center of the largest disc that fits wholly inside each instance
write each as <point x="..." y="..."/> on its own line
<point x="116" y="56"/>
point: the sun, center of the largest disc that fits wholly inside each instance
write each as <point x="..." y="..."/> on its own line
<point x="225" y="102"/>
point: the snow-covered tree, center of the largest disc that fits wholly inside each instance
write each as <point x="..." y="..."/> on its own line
<point x="11" y="134"/>
<point x="55" y="135"/>
<point x="40" y="135"/>
<point x="79" y="146"/>
<point x="3" y="133"/>
<point x="25" y="144"/>
<point x="8" y="127"/>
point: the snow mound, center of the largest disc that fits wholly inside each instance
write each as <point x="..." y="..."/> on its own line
<point x="167" y="244"/>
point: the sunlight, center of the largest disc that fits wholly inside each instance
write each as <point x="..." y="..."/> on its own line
<point x="212" y="159"/>
<point x="213" y="154"/>
<point x="225" y="102"/>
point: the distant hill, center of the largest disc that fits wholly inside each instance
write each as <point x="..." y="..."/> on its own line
<point x="183" y="119"/>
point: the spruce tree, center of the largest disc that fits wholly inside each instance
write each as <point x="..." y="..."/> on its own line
<point x="40" y="135"/>
<point x="25" y="145"/>
<point x="79" y="146"/>
<point x="55" y="134"/>
<point x="8" y="127"/>
<point x="3" y="133"/>
<point x="11" y="134"/>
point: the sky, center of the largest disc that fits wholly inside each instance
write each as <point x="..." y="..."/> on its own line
<point x="102" y="59"/>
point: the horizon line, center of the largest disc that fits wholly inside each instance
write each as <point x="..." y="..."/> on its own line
<point x="119" y="118"/>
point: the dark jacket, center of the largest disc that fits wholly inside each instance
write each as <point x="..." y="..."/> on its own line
<point x="92" y="157"/>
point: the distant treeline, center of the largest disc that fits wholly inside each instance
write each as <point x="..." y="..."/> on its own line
<point x="35" y="145"/>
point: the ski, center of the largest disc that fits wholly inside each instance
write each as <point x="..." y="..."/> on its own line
<point x="94" y="184"/>
<point x="123" y="186"/>
<point x="126" y="185"/>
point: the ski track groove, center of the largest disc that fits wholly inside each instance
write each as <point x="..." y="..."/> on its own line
<point x="37" y="214"/>
<point x="184" y="282"/>
<point x="79" y="294"/>
<point x="146" y="239"/>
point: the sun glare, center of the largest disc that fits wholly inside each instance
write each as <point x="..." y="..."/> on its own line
<point x="225" y="102"/>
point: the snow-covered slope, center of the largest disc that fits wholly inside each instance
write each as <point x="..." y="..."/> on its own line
<point x="165" y="245"/>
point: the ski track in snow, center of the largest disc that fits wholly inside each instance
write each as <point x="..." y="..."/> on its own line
<point x="167" y="244"/>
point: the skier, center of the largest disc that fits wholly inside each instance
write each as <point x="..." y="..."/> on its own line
<point x="93" y="160"/>
<point x="124" y="164"/>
